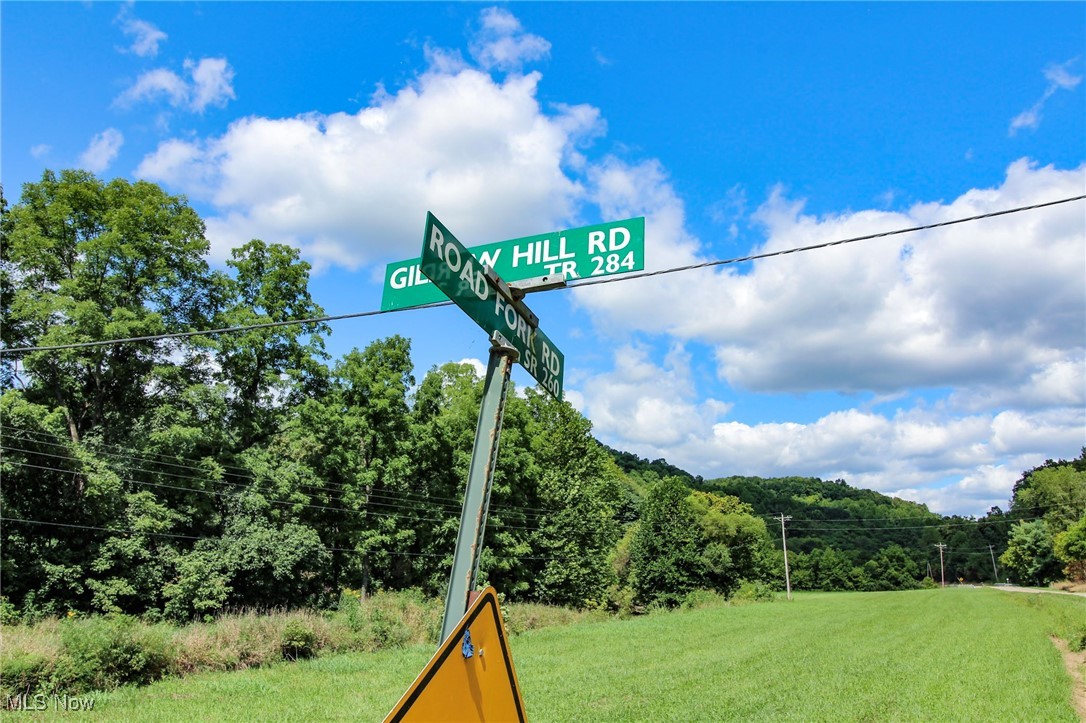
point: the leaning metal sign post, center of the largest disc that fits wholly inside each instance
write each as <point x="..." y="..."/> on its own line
<point x="515" y="336"/>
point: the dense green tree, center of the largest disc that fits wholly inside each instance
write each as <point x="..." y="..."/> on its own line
<point x="1070" y="549"/>
<point x="85" y="260"/>
<point x="1029" y="555"/>
<point x="372" y="388"/>
<point x="130" y="570"/>
<point x="268" y="369"/>
<point x="893" y="569"/>
<point x="665" y="554"/>
<point x="1055" y="490"/>
<point x="59" y="502"/>
<point x="579" y="492"/>
<point x="733" y="540"/>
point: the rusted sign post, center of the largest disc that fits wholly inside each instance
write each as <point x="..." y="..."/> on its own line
<point x="515" y="336"/>
<point x="469" y="540"/>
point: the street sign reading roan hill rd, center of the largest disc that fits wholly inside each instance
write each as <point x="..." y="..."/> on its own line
<point x="455" y="271"/>
<point x="600" y="250"/>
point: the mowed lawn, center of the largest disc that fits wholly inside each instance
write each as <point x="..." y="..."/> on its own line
<point x="951" y="654"/>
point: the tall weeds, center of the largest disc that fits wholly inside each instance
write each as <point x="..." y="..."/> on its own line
<point x="77" y="655"/>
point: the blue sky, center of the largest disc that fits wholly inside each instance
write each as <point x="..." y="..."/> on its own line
<point x="935" y="366"/>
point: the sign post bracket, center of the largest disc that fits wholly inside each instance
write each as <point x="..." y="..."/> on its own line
<point x="484" y="455"/>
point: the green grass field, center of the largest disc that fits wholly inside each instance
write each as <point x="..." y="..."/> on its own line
<point x="953" y="654"/>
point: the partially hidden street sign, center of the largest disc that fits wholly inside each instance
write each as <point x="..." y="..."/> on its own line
<point x="463" y="278"/>
<point x="470" y="677"/>
<point x="600" y="250"/>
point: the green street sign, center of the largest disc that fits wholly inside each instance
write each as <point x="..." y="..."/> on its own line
<point x="601" y="250"/>
<point x="455" y="271"/>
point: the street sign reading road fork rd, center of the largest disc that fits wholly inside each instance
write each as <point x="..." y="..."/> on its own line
<point x="454" y="270"/>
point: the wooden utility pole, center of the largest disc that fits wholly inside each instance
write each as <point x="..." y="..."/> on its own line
<point x="942" y="575"/>
<point x="994" y="570"/>
<point x="784" y="544"/>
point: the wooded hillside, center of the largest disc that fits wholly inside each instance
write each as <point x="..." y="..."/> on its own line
<point x="191" y="470"/>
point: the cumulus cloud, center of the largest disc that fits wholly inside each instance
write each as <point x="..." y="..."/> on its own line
<point x="145" y="36"/>
<point x="502" y="44"/>
<point x="954" y="462"/>
<point x="157" y="83"/>
<point x="103" y="148"/>
<point x="1059" y="77"/>
<point x="992" y="302"/>
<point x="210" y="84"/>
<point x="649" y="405"/>
<point x="992" y="309"/>
<point x="349" y="189"/>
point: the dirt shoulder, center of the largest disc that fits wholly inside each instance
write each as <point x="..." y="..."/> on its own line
<point x="1075" y="663"/>
<point x="1076" y="668"/>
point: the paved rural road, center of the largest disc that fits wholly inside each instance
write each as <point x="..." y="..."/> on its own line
<point x="1013" y="588"/>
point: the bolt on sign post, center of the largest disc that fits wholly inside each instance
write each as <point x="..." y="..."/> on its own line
<point x="471" y="676"/>
<point x="515" y="336"/>
<point x="616" y="247"/>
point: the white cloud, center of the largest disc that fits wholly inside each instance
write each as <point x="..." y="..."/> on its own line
<point x="993" y="302"/>
<point x="476" y="364"/>
<point x="41" y="150"/>
<point x="730" y="210"/>
<point x="211" y="85"/>
<point x="103" y="148"/>
<point x="992" y="309"/>
<point x="600" y="58"/>
<point x="648" y="406"/>
<point x="157" y="83"/>
<point x="1059" y="77"/>
<point x="145" y="36"/>
<point x="502" y="43"/>
<point x="354" y="188"/>
<point x="956" y="463"/>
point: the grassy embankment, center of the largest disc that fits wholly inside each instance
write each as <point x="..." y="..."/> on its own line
<point x="953" y="654"/>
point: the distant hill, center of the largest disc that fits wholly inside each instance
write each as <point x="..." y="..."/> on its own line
<point x="648" y="471"/>
<point x="858" y="522"/>
<point x="832" y="514"/>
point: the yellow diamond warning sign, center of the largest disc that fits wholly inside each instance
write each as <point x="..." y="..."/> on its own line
<point x="470" y="677"/>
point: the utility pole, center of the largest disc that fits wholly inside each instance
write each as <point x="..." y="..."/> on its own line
<point x="942" y="575"/>
<point x="784" y="544"/>
<point x="994" y="570"/>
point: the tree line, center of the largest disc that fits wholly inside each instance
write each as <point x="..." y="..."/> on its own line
<point x="178" y="477"/>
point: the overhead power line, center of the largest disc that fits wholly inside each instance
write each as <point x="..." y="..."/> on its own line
<point x="827" y="244"/>
<point x="576" y="284"/>
<point x="350" y="551"/>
